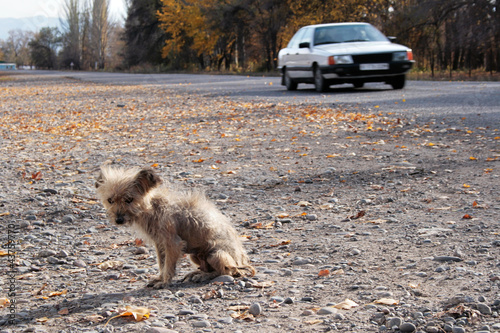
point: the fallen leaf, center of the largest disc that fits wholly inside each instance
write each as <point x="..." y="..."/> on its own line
<point x="110" y="264"/>
<point x="467" y="217"/>
<point x="263" y="284"/>
<point x="386" y="301"/>
<point x="139" y="242"/>
<point x="346" y="304"/>
<point x="139" y="313"/>
<point x="94" y="318"/>
<point x="4" y="302"/>
<point x="42" y="320"/>
<point x="3" y="253"/>
<point x="313" y="322"/>
<point x="243" y="316"/>
<point x="323" y="272"/>
<point x="285" y="242"/>
<point x="238" y="308"/>
<point x="360" y="214"/>
<point x="57" y="293"/>
<point x="303" y="204"/>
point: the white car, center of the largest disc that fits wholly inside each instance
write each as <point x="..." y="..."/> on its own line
<point x="336" y="53"/>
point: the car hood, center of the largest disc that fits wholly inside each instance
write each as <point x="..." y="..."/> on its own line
<point x="360" y="48"/>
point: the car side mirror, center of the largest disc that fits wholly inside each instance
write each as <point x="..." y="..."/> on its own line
<point x="304" y="45"/>
<point x="391" y="38"/>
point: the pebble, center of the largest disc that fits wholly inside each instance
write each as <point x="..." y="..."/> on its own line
<point x="311" y="217"/>
<point x="457" y="329"/>
<point x="201" y="323"/>
<point x="407" y="328"/>
<point x="160" y="330"/>
<point x="327" y="311"/>
<point x="47" y="253"/>
<point x="483" y="308"/>
<point x="301" y="261"/>
<point x="141" y="250"/>
<point x="223" y="279"/>
<point x="255" y="309"/>
<point x="447" y="258"/>
<point x="395" y="322"/>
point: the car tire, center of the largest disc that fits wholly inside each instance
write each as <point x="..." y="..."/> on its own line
<point x="319" y="81"/>
<point x="290" y="84"/>
<point x="398" y="82"/>
<point x="358" y="84"/>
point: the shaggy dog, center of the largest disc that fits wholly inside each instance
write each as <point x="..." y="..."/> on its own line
<point x="176" y="223"/>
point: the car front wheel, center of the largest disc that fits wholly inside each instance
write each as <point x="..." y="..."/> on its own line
<point x="290" y="84"/>
<point x="398" y="82"/>
<point x="319" y="81"/>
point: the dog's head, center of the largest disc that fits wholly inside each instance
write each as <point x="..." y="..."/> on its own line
<point x="122" y="191"/>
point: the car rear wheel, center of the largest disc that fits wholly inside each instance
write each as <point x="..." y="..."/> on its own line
<point x="398" y="82"/>
<point x="290" y="84"/>
<point x="319" y="81"/>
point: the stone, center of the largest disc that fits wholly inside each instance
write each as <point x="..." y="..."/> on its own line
<point x="255" y="309"/>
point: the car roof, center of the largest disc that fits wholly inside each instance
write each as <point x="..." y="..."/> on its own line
<point x="335" y="24"/>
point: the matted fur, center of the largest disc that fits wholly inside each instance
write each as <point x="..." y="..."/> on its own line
<point x="175" y="223"/>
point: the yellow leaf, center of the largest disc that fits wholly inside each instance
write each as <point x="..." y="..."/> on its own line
<point x="42" y="320"/>
<point x="472" y="158"/>
<point x="139" y="313"/>
<point x="466" y="185"/>
<point x="346" y="304"/>
<point x="4" y="302"/>
<point x="313" y="322"/>
<point x="3" y="253"/>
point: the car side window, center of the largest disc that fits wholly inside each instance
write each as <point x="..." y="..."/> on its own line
<point x="294" y="42"/>
<point x="307" y="36"/>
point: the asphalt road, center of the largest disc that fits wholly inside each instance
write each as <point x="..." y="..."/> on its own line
<point x="471" y="103"/>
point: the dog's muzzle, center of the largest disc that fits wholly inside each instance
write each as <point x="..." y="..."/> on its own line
<point x="120" y="219"/>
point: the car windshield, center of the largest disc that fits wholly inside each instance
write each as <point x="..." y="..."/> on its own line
<point x="347" y="34"/>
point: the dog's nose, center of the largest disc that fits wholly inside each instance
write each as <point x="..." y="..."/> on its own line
<point x="120" y="219"/>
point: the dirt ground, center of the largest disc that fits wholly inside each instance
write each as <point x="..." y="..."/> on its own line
<point x="356" y="220"/>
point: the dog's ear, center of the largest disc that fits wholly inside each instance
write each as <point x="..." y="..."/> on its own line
<point x="146" y="179"/>
<point x="100" y="180"/>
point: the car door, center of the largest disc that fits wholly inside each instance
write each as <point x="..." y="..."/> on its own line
<point x="291" y="53"/>
<point x="303" y="57"/>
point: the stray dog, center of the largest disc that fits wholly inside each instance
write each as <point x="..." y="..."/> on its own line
<point x="176" y="223"/>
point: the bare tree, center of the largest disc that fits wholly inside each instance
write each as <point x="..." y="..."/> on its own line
<point x="71" y="34"/>
<point x="100" y="31"/>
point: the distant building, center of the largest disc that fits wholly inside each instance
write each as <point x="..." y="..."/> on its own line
<point x="6" y="66"/>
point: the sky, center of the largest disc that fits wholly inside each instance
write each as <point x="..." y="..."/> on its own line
<point x="48" y="8"/>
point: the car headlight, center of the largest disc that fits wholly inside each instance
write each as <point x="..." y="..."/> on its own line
<point x="402" y="56"/>
<point x="340" y="59"/>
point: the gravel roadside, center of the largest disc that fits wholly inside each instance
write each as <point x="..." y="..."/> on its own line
<point x="356" y="220"/>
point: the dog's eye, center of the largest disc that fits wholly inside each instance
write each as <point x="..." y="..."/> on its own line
<point x="110" y="201"/>
<point x="129" y="200"/>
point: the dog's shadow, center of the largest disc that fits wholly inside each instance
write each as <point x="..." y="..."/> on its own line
<point x="90" y="305"/>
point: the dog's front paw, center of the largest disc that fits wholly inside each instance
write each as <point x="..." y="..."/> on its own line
<point x="199" y="276"/>
<point x="157" y="283"/>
